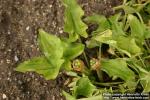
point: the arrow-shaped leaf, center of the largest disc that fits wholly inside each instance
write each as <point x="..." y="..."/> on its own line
<point x="42" y="66"/>
<point x="73" y="23"/>
<point x="119" y="68"/>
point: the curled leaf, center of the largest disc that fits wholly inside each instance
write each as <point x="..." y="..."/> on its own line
<point x="103" y="23"/>
<point x="73" y="22"/>
<point x="68" y="96"/>
<point x="72" y="50"/>
<point x="119" y="68"/>
<point x="84" y="87"/>
<point x="145" y="81"/>
<point x="137" y="28"/>
<point x="128" y="44"/>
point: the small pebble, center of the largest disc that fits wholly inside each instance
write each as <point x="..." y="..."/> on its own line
<point x="9" y="73"/>
<point x="61" y="31"/>
<point x="19" y="82"/>
<point x="50" y="6"/>
<point x="9" y="79"/>
<point x="16" y="58"/>
<point x="9" y="50"/>
<point x="1" y="61"/>
<point x="4" y="96"/>
<point x="8" y="61"/>
<point x="31" y="46"/>
<point x="9" y="33"/>
<point x="27" y="28"/>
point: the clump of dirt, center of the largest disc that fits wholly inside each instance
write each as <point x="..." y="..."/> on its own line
<point x="19" y="22"/>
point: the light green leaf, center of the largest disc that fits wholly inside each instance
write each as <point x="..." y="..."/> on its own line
<point x="145" y="81"/>
<point x="119" y="68"/>
<point x="100" y="20"/>
<point x="53" y="51"/>
<point x="147" y="33"/>
<point x="51" y="46"/>
<point x="92" y="43"/>
<point x="73" y="23"/>
<point x="129" y="9"/>
<point x="67" y="65"/>
<point x="105" y="37"/>
<point x="137" y="28"/>
<point x="128" y="44"/>
<point x="84" y="87"/>
<point x="116" y="26"/>
<point x="121" y="43"/>
<point x="72" y="50"/>
<point x="42" y="66"/>
<point x="68" y="96"/>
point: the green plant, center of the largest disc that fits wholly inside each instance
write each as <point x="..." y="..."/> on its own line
<point x="57" y="53"/>
<point x="127" y="65"/>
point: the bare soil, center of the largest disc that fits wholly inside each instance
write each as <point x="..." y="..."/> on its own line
<point x="19" y="21"/>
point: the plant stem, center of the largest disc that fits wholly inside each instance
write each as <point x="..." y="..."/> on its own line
<point x="108" y="84"/>
<point x="99" y="72"/>
<point x="141" y="19"/>
<point x="99" y="52"/>
<point x="85" y="57"/>
<point x="147" y="57"/>
<point x="141" y="6"/>
<point x="118" y="7"/>
<point x="133" y="67"/>
<point x="147" y="47"/>
<point x="124" y="1"/>
<point x="142" y="61"/>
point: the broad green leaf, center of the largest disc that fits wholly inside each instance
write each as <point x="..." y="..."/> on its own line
<point x="100" y="20"/>
<point x="131" y="84"/>
<point x="105" y="37"/>
<point x="73" y="22"/>
<point x="129" y="9"/>
<point x="119" y="68"/>
<point x="84" y="87"/>
<point x="128" y="44"/>
<point x="67" y="65"/>
<point x="145" y="81"/>
<point x="137" y="28"/>
<point x="95" y="18"/>
<point x="51" y="46"/>
<point x="92" y="43"/>
<point x="147" y="33"/>
<point x="120" y="42"/>
<point x="68" y="96"/>
<point x="116" y="26"/>
<point x="72" y="50"/>
<point x="42" y="66"/>
<point x="72" y="74"/>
